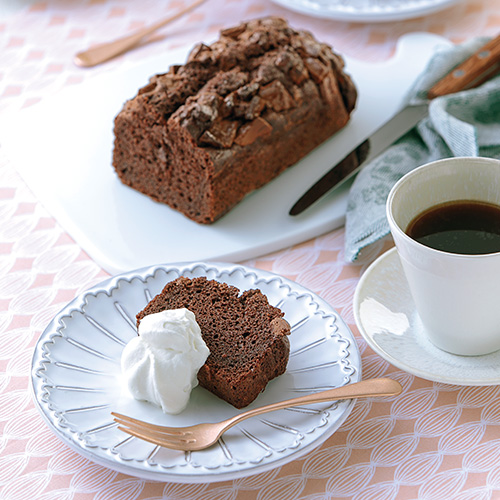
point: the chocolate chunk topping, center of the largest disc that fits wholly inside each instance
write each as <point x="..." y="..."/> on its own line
<point x="250" y="132"/>
<point x="277" y="96"/>
<point x="220" y="135"/>
<point x="258" y="65"/>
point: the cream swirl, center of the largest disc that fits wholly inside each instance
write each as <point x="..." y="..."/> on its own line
<point x="161" y="364"/>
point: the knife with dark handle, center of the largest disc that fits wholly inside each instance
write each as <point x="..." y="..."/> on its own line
<point x="481" y="66"/>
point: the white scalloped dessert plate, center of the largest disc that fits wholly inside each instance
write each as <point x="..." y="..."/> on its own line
<point x="76" y="380"/>
<point x="367" y="10"/>
<point x="386" y="317"/>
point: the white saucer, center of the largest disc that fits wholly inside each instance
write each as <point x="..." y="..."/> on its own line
<point x="386" y="318"/>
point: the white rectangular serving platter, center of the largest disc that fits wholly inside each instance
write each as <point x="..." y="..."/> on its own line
<point x="62" y="147"/>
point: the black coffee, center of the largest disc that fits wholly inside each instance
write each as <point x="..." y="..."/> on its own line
<point x="463" y="227"/>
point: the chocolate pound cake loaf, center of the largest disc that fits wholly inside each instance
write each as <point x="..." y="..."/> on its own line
<point x="240" y="111"/>
<point x="246" y="336"/>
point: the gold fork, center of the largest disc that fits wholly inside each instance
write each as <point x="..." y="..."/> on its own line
<point x="106" y="51"/>
<point x="200" y="436"/>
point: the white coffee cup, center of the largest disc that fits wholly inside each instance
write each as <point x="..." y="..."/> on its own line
<point x="457" y="296"/>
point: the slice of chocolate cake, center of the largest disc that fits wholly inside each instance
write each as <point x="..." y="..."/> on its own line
<point x="246" y="336"/>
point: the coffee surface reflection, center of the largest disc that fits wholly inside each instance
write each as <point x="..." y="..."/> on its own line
<point x="461" y="227"/>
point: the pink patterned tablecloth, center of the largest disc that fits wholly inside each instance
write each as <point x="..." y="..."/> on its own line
<point x="435" y="441"/>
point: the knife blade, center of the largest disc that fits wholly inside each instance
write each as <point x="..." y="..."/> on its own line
<point x="342" y="171"/>
<point x="350" y="165"/>
<point x="482" y="65"/>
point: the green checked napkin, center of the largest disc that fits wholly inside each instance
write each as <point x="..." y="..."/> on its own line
<point x="463" y="124"/>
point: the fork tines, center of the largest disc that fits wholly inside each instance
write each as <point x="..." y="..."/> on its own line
<point x="169" y="437"/>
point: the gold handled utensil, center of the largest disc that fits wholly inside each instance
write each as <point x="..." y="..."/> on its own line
<point x="200" y="436"/>
<point x="106" y="51"/>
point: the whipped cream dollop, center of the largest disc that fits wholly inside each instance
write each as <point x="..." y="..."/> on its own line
<point x="161" y="364"/>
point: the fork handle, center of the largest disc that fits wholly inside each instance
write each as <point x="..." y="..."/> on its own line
<point x="103" y="52"/>
<point x="364" y="389"/>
